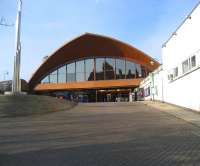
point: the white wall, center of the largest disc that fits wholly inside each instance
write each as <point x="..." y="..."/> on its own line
<point x="155" y="82"/>
<point x="158" y="84"/>
<point x="184" y="89"/>
<point x="145" y="84"/>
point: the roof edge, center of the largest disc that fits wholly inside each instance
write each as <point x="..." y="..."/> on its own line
<point x="182" y="23"/>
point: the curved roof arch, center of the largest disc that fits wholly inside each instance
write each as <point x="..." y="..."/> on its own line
<point x="92" y="45"/>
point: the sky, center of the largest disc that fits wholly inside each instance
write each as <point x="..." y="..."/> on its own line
<point x="47" y="24"/>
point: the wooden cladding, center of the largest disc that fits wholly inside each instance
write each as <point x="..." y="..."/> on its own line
<point x="89" y="85"/>
<point x="88" y="46"/>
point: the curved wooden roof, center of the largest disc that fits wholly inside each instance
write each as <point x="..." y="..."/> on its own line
<point x="92" y="45"/>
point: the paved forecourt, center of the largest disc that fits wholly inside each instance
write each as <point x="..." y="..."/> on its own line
<point x="118" y="134"/>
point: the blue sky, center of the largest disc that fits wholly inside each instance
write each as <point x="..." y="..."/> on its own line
<point x="47" y="24"/>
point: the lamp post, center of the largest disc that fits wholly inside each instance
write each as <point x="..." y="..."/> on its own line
<point x="16" y="84"/>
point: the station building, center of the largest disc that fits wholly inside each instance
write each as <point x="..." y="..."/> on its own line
<point x="177" y="80"/>
<point x="93" y="68"/>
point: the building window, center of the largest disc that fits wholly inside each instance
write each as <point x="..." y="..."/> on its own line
<point x="147" y="92"/>
<point x="100" y="68"/>
<point x="175" y="72"/>
<point x="80" y="71"/>
<point x="185" y="66"/>
<point x="109" y="67"/>
<point x="130" y="70"/>
<point x="71" y="73"/>
<point x="89" y="69"/>
<point x="62" y="74"/>
<point x="120" y="69"/>
<point x="45" y="80"/>
<point x="193" y="61"/>
<point x="54" y="77"/>
<point x="144" y="72"/>
<point x="138" y="71"/>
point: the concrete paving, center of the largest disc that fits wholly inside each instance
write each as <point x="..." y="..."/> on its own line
<point x="103" y="134"/>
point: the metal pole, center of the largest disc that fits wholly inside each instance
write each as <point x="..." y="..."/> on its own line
<point x="16" y="85"/>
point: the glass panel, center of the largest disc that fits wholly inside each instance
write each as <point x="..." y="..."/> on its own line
<point x="53" y="77"/>
<point x="144" y="71"/>
<point x="138" y="71"/>
<point x="193" y="61"/>
<point x="71" y="75"/>
<point x="80" y="70"/>
<point x="175" y="72"/>
<point x="80" y="77"/>
<point x="110" y="69"/>
<point x="100" y="65"/>
<point x="62" y="75"/>
<point x="130" y="70"/>
<point x="45" y="80"/>
<point x="185" y="66"/>
<point x="120" y="69"/>
<point x="89" y="69"/>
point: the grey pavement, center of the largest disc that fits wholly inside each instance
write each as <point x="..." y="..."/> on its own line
<point x="191" y="116"/>
<point x="102" y="134"/>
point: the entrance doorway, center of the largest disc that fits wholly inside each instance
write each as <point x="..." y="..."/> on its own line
<point x="113" y="95"/>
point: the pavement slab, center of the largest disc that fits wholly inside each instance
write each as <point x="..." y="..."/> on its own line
<point x="102" y="134"/>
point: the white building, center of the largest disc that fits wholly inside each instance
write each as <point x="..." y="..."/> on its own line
<point x="178" y="82"/>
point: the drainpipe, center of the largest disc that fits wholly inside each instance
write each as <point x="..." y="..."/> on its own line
<point x="152" y="87"/>
<point x="162" y="88"/>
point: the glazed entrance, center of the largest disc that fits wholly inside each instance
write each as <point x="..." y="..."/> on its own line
<point x="114" y="95"/>
<point x="96" y="95"/>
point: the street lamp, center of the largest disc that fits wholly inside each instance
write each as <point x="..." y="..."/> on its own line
<point x="16" y="84"/>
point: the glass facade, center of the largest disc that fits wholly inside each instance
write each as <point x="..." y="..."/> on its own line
<point x="109" y="69"/>
<point x="53" y="77"/>
<point x="138" y="71"/>
<point x="130" y="70"/>
<point x="120" y="69"/>
<point x="62" y="77"/>
<point x="96" y="69"/>
<point x="71" y="72"/>
<point x="89" y="69"/>
<point x="45" y="80"/>
<point x="100" y="68"/>
<point x="80" y="71"/>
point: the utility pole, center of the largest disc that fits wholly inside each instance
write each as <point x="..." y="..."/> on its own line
<point x="16" y="84"/>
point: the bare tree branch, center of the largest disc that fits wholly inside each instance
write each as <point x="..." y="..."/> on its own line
<point x="3" y="23"/>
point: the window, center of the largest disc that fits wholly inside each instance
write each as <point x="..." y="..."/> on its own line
<point x="80" y="71"/>
<point x="109" y="69"/>
<point x="89" y="69"/>
<point x="175" y="72"/>
<point x="100" y="68"/>
<point x="45" y="80"/>
<point x="185" y="66"/>
<point x="193" y="61"/>
<point x="144" y="71"/>
<point x="62" y="74"/>
<point x="120" y="69"/>
<point x="147" y="92"/>
<point x="71" y="74"/>
<point x="130" y="70"/>
<point x="53" y="77"/>
<point x="170" y="77"/>
<point x="138" y="71"/>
